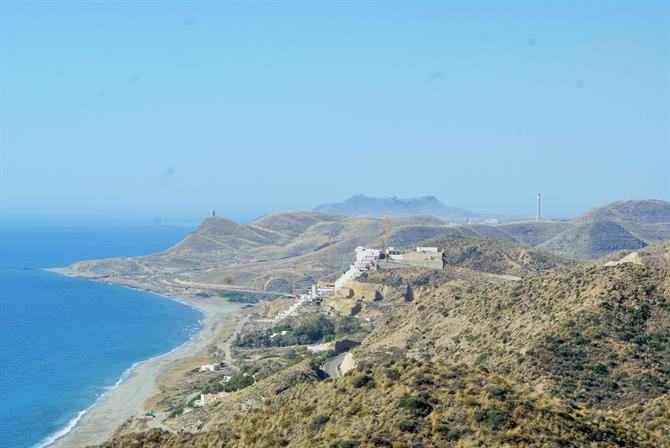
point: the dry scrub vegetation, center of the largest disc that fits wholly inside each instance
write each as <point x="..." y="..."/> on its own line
<point x="570" y="357"/>
<point x="406" y="402"/>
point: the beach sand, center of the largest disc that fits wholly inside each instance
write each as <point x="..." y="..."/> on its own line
<point x="128" y="398"/>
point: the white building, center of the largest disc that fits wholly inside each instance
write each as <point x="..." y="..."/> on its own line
<point x="365" y="258"/>
<point x="321" y="291"/>
<point x="426" y="250"/>
<point x="395" y="254"/>
<point x="210" y="367"/>
<point x="208" y="398"/>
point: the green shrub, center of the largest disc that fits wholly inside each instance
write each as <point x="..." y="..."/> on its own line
<point x="363" y="380"/>
<point x="417" y="405"/>
<point x="493" y="418"/>
<point x="238" y="381"/>
<point x="406" y="426"/>
<point x="319" y="421"/>
<point x="392" y="374"/>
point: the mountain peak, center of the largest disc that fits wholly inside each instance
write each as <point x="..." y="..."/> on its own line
<point x="362" y="205"/>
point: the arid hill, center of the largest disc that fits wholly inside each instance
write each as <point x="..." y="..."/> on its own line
<point x="655" y="255"/>
<point x="263" y="255"/>
<point x="648" y="220"/>
<point x="575" y="357"/>
<point x="496" y="256"/>
<point x="651" y="211"/>
<point x="596" y="335"/>
<point x="406" y="402"/>
<point x="592" y="239"/>
<point x="534" y="233"/>
<point x="267" y="254"/>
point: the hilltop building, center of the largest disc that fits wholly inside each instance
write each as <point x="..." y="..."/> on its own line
<point x="368" y="259"/>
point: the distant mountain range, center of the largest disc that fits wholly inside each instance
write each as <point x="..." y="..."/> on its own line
<point x="361" y="205"/>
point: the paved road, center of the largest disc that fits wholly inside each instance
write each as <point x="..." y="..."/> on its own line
<point x="331" y="366"/>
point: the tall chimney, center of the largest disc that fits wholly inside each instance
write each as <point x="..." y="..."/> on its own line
<point x="537" y="216"/>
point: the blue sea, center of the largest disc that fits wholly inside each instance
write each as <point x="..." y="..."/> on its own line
<point x="65" y="341"/>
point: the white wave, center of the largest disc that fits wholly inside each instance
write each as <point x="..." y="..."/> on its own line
<point x="61" y="432"/>
<point x="124" y="376"/>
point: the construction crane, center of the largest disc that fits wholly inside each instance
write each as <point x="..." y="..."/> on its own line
<point x="330" y="252"/>
<point x="294" y="277"/>
<point x="385" y="236"/>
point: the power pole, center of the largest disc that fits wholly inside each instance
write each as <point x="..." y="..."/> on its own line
<point x="537" y="215"/>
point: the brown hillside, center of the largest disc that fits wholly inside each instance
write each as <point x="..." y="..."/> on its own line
<point x="494" y="256"/>
<point x="399" y="402"/>
<point x="591" y="240"/>
<point x="651" y="211"/>
<point x="593" y="335"/>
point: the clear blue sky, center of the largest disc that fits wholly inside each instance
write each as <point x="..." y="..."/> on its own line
<point x="169" y="110"/>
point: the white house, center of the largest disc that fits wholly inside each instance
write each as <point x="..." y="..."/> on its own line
<point x="208" y="398"/>
<point x="210" y="367"/>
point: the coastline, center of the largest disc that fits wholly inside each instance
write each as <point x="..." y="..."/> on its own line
<point x="138" y="383"/>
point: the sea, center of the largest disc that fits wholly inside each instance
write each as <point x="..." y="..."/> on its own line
<point x="65" y="341"/>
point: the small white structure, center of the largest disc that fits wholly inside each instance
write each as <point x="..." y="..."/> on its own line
<point x="208" y="398"/>
<point x="274" y="335"/>
<point x="395" y="254"/>
<point x="210" y="367"/>
<point x="427" y="250"/>
<point x="320" y="292"/>
<point x="319" y="348"/>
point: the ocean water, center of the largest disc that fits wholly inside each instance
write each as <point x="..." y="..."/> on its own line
<point x="64" y="341"/>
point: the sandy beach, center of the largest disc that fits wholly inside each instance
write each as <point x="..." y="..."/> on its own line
<point x="127" y="399"/>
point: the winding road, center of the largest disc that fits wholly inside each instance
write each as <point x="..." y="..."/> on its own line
<point x="331" y="366"/>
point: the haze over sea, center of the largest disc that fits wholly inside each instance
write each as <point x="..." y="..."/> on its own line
<point x="64" y="341"/>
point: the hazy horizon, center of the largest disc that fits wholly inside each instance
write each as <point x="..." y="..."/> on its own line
<point x="175" y="220"/>
<point x="249" y="109"/>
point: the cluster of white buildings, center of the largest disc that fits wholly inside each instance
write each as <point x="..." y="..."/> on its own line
<point x="365" y="258"/>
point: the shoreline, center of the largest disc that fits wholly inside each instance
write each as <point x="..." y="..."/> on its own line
<point x="138" y="383"/>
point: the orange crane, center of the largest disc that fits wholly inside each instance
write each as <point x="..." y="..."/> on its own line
<point x="294" y="277"/>
<point x="330" y="251"/>
<point x="385" y="236"/>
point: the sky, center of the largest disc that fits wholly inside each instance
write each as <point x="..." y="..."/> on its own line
<point x="163" y="111"/>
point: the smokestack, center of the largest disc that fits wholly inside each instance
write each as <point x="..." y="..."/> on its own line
<point x="539" y="198"/>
